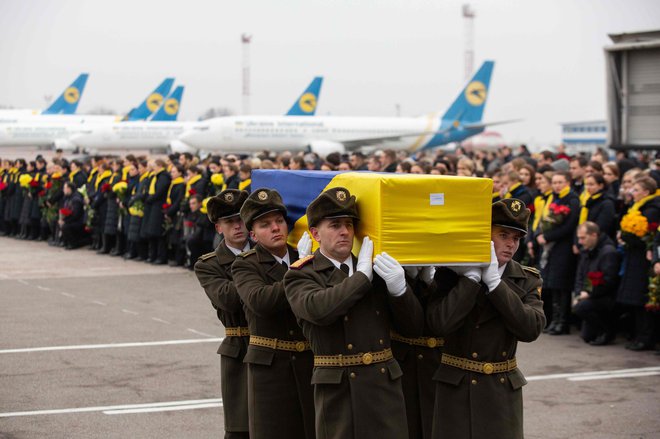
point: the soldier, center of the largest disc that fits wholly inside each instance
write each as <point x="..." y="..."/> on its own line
<point x="482" y="313"/>
<point x="213" y="271"/>
<point x="280" y="400"/>
<point x="347" y="318"/>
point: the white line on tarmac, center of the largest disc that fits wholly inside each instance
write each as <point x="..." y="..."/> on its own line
<point x="605" y="374"/>
<point x="67" y="294"/>
<point x="113" y="407"/>
<point x="98" y="302"/>
<point x="615" y="375"/>
<point x="111" y="345"/>
<point x="43" y="288"/>
<point x="156" y="319"/>
<point x="199" y="332"/>
<point x="21" y="281"/>
<point x="128" y="311"/>
<point x="163" y="409"/>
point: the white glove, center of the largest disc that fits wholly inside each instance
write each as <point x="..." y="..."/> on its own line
<point x="490" y="274"/>
<point x="426" y="274"/>
<point x="304" y="245"/>
<point x="392" y="273"/>
<point x="364" y="264"/>
<point x="412" y="271"/>
<point x="472" y="273"/>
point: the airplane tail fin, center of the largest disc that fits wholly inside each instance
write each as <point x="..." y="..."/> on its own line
<point x="170" y="108"/>
<point x="152" y="102"/>
<point x="469" y="106"/>
<point x="306" y="104"/>
<point x="67" y="102"/>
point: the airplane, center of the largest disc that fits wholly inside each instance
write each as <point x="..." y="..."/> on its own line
<point x="326" y="134"/>
<point x="66" y="103"/>
<point x="152" y="102"/>
<point x="169" y="110"/>
<point x="164" y="134"/>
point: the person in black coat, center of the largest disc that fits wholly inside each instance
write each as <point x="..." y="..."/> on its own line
<point x="99" y="203"/>
<point x="596" y="282"/>
<point x="513" y="187"/>
<point x="558" y="261"/>
<point x="72" y="217"/>
<point x="154" y="217"/>
<point x="600" y="206"/>
<point x="232" y="180"/>
<point x="110" y="225"/>
<point x="635" y="269"/>
<point x="137" y="246"/>
<point x="173" y="216"/>
<point x="198" y="237"/>
<point x="77" y="174"/>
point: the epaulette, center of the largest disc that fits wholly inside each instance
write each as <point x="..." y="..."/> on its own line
<point x="248" y="253"/>
<point x="532" y="270"/>
<point x="301" y="262"/>
<point x="206" y="256"/>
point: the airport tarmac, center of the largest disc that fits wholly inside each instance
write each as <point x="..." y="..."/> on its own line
<point x="94" y="346"/>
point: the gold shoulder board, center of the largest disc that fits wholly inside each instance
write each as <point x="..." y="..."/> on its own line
<point x="532" y="270"/>
<point x="301" y="262"/>
<point x="206" y="256"/>
<point x="248" y="253"/>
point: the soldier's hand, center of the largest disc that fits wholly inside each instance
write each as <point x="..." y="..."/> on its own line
<point x="364" y="263"/>
<point x="472" y="273"/>
<point x="412" y="271"/>
<point x="304" y="245"/>
<point x="426" y="274"/>
<point x="490" y="274"/>
<point x="392" y="273"/>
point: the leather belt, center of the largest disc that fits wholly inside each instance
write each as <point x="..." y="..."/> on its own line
<point x="478" y="366"/>
<point x="427" y="342"/>
<point x="353" y="360"/>
<point x="281" y="345"/>
<point x="237" y="332"/>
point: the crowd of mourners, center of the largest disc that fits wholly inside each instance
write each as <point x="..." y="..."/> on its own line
<point x="593" y="230"/>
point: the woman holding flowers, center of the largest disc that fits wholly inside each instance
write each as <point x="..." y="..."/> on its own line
<point x="638" y="229"/>
<point x="558" y="222"/>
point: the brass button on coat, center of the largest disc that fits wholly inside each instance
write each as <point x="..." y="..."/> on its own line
<point x="350" y="347"/>
<point x="474" y="355"/>
<point x="352" y="375"/>
<point x="474" y="382"/>
<point x="420" y="357"/>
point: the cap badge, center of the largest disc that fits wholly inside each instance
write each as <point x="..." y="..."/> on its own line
<point x="341" y="195"/>
<point x="229" y="197"/>
<point x="516" y="205"/>
<point x="263" y="196"/>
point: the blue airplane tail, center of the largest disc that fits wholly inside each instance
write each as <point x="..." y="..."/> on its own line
<point x="152" y="102"/>
<point x="470" y="103"/>
<point x="67" y="102"/>
<point x="170" y="108"/>
<point x="306" y="104"/>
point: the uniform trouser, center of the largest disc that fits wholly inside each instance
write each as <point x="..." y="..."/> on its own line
<point x="596" y="315"/>
<point x="237" y="435"/>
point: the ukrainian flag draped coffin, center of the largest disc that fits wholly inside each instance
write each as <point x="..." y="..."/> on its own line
<point x="418" y="219"/>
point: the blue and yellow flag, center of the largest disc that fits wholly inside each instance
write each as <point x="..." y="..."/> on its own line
<point x="418" y="219"/>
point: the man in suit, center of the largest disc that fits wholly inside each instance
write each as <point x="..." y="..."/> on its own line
<point x="279" y="359"/>
<point x="347" y="313"/>
<point x="213" y="271"/>
<point x="482" y="313"/>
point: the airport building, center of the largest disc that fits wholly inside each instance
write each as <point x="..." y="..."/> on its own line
<point x="584" y="136"/>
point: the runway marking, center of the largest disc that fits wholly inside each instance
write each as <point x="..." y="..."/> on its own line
<point x="43" y="288"/>
<point x="67" y="294"/>
<point x="119" y="409"/>
<point x="599" y="375"/>
<point x="128" y="311"/>
<point x="22" y="282"/>
<point x="156" y="319"/>
<point x="199" y="332"/>
<point x="112" y="345"/>
<point x="98" y="302"/>
<point x="163" y="409"/>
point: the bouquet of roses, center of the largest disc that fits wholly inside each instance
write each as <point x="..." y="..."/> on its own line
<point x="654" y="294"/>
<point x="557" y="213"/>
<point x="594" y="279"/>
<point x="65" y="212"/>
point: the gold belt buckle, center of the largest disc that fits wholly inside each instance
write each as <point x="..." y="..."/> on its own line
<point x="300" y="346"/>
<point x="432" y="342"/>
<point x="367" y="358"/>
<point x="488" y="368"/>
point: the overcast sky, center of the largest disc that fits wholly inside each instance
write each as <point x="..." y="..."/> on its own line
<point x="375" y="54"/>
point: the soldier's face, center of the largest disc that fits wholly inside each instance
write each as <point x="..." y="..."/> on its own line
<point x="234" y="231"/>
<point x="506" y="243"/>
<point x="270" y="231"/>
<point x="335" y="237"/>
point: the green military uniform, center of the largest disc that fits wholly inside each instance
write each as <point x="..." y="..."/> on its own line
<point x="280" y="395"/>
<point x="213" y="271"/>
<point x="478" y="384"/>
<point x="357" y="382"/>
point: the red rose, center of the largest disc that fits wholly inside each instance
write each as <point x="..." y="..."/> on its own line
<point x="49" y="185"/>
<point x="531" y="208"/>
<point x="34" y="183"/>
<point x="596" y="278"/>
<point x="65" y="211"/>
<point x="3" y="185"/>
<point x="653" y="227"/>
<point x="88" y="229"/>
<point x="106" y="187"/>
<point x="42" y="193"/>
<point x="188" y="223"/>
<point x="192" y="192"/>
<point x="166" y="206"/>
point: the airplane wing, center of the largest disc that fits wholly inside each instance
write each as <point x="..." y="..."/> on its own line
<point x="352" y="145"/>
<point x="480" y="125"/>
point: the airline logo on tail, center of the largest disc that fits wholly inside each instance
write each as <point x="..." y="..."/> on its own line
<point x="72" y="95"/>
<point x="67" y="102"/>
<point x="475" y="93"/>
<point x="308" y="100"/>
<point x="172" y="106"/>
<point x="153" y="101"/>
